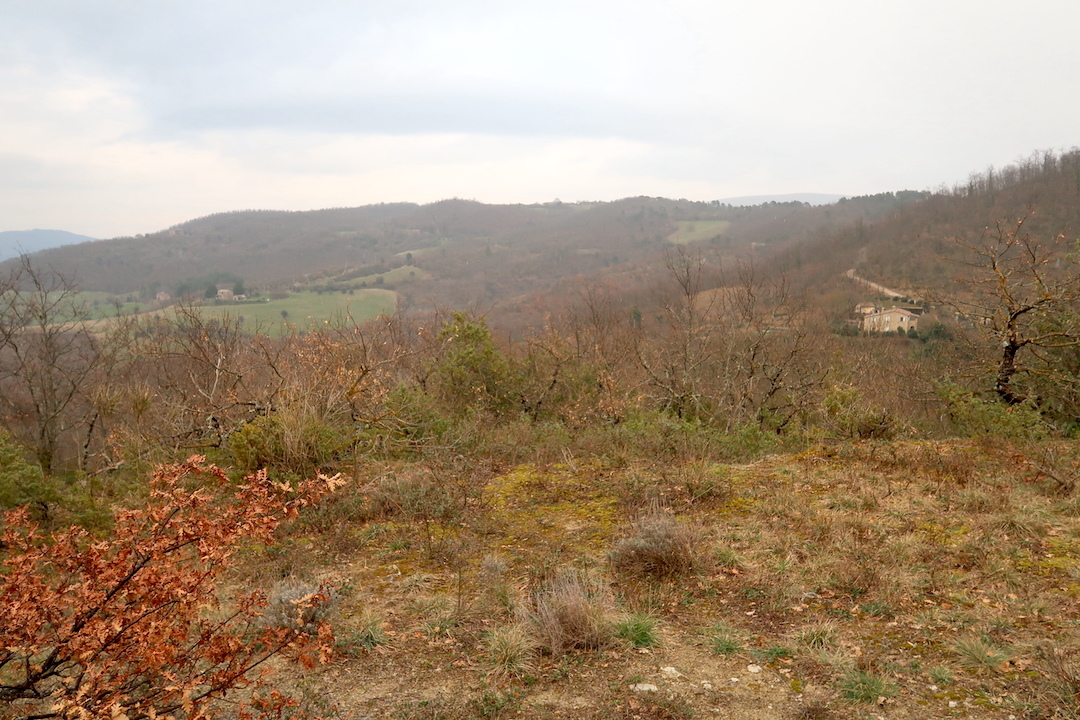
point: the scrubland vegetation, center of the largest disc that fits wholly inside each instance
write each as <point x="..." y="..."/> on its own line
<point x="698" y="501"/>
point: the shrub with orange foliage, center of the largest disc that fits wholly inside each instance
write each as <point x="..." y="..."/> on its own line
<point x="133" y="626"/>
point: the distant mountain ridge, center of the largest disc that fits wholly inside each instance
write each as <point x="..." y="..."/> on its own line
<point x="17" y="242"/>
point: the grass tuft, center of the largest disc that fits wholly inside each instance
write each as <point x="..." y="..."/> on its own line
<point x="818" y="636"/>
<point x="367" y="635"/>
<point x="977" y="654"/>
<point x="638" y="629"/>
<point x="865" y="687"/>
<point x="511" y="650"/>
<point x="723" y="640"/>
<point x="941" y="675"/>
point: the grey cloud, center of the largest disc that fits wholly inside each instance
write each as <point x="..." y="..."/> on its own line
<point x="317" y="68"/>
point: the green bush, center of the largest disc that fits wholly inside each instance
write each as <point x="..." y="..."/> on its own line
<point x="23" y="484"/>
<point x="287" y="442"/>
<point x="471" y="372"/>
<point x="975" y="416"/>
<point x="745" y="442"/>
<point x="411" y="420"/>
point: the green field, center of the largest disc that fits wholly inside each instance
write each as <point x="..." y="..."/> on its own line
<point x="390" y="278"/>
<point x="424" y="250"/>
<point x="307" y="308"/>
<point x="697" y="230"/>
<point x="397" y="276"/>
<point x="103" y="305"/>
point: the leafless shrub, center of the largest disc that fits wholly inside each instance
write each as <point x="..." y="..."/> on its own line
<point x="569" y="612"/>
<point x="297" y="604"/>
<point x="1050" y="462"/>
<point x="657" y="545"/>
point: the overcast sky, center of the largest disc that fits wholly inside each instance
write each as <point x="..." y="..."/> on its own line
<point x="128" y="117"/>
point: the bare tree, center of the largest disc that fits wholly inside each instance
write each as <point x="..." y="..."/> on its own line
<point x="1022" y="303"/>
<point x="49" y="355"/>
<point x="769" y="370"/>
<point x="732" y="348"/>
<point x="194" y="378"/>
<point x="677" y="366"/>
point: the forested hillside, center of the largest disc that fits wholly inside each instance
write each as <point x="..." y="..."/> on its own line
<point x="472" y="249"/>
<point x="916" y="246"/>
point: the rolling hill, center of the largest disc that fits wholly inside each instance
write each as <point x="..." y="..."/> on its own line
<point x="449" y="253"/>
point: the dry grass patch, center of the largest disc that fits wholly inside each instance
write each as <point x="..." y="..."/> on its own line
<point x="818" y="636"/>
<point x="571" y="612"/>
<point x="511" y="650"/>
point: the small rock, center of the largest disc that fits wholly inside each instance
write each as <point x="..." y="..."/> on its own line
<point x="953" y="703"/>
<point x="934" y="688"/>
<point x="670" y="672"/>
<point x="705" y="684"/>
<point x="644" y="687"/>
<point x="753" y="668"/>
<point x="734" y="680"/>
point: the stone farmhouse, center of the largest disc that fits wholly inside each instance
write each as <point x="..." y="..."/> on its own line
<point x="891" y="320"/>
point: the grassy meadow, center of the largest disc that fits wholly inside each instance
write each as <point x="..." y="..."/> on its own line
<point x="691" y="231"/>
<point x="306" y="308"/>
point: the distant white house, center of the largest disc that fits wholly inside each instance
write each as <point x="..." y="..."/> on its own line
<point x="225" y="294"/>
<point x="891" y="320"/>
<point x="163" y="296"/>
